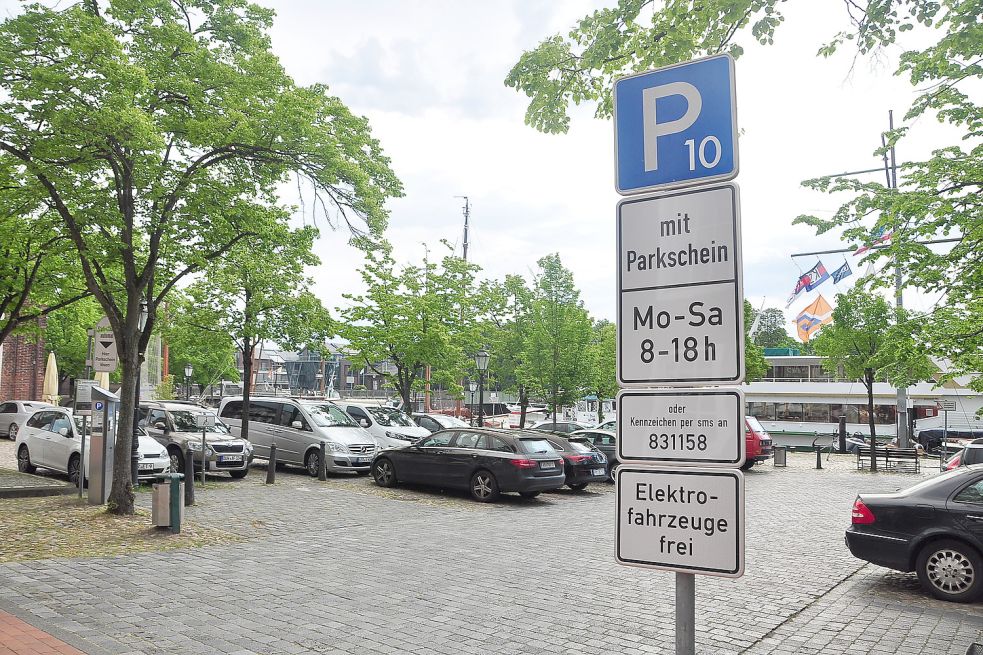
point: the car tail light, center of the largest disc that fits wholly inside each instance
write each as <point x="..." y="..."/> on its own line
<point x="579" y="459"/>
<point x="952" y="463"/>
<point x="861" y="514"/>
<point x="524" y="463"/>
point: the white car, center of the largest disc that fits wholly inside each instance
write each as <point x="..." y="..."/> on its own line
<point x="51" y="439"/>
<point x="390" y="427"/>
<point x="435" y="422"/>
<point x="14" y="414"/>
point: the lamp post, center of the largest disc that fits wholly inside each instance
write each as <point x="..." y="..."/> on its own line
<point x="188" y="372"/>
<point x="135" y="441"/>
<point x="472" y="387"/>
<point x="481" y="363"/>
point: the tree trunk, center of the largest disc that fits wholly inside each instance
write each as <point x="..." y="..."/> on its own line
<point x="523" y="405"/>
<point x="249" y="348"/>
<point x="600" y="408"/>
<point x="121" y="495"/>
<point x="869" y="383"/>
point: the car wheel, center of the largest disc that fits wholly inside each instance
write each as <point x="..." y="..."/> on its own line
<point x="177" y="459"/>
<point x="312" y="462"/>
<point x="73" y="470"/>
<point x="384" y="473"/>
<point x="238" y="475"/>
<point x="24" y="460"/>
<point x="529" y="494"/>
<point x="746" y="466"/>
<point x="12" y="432"/>
<point x="950" y="570"/>
<point x="484" y="487"/>
<point x="580" y="486"/>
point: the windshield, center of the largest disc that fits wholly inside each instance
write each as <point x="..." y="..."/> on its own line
<point x="187" y="421"/>
<point x="581" y="447"/>
<point x="329" y="416"/>
<point x="450" y="422"/>
<point x="390" y="417"/>
<point x="536" y="446"/>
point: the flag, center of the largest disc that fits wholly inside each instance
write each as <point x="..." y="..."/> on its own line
<point x="880" y="236"/>
<point x="808" y="281"/>
<point x="841" y="273"/>
<point x="813" y="317"/>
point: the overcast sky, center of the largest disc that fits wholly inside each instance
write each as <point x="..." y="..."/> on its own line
<point x="429" y="76"/>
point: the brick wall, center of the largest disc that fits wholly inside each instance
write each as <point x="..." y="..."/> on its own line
<point x="22" y="370"/>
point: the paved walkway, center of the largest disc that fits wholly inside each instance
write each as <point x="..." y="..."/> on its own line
<point x="19" y="638"/>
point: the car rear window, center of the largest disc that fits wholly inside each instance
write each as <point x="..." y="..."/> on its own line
<point x="536" y="446"/>
<point x="972" y="456"/>
<point x="581" y="447"/>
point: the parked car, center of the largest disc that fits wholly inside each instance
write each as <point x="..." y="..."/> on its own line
<point x="611" y="425"/>
<point x="52" y="438"/>
<point x="298" y="427"/>
<point x="436" y="422"/>
<point x="606" y="442"/>
<point x="971" y="453"/>
<point x="934" y="528"/>
<point x="757" y="443"/>
<point x="390" y="427"/>
<point x="177" y="426"/>
<point x="14" y="413"/>
<point x="564" y="427"/>
<point x="583" y="462"/>
<point x="486" y="461"/>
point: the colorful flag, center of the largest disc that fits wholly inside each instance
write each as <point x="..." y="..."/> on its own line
<point x="813" y="317"/>
<point x="842" y="272"/>
<point x="808" y="281"/>
<point x="880" y="236"/>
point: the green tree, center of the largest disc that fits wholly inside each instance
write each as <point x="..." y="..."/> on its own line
<point x="870" y="344"/>
<point x="771" y="332"/>
<point x="66" y="335"/>
<point x="510" y="310"/>
<point x="260" y="292"/>
<point x="755" y="364"/>
<point x="603" y="375"/>
<point x="556" y="360"/>
<point x="194" y="335"/>
<point x="940" y="195"/>
<point x="160" y="133"/>
<point x="411" y="317"/>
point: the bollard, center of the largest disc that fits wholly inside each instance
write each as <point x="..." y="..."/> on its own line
<point x="204" y="461"/>
<point x="819" y="457"/>
<point x="175" y="502"/>
<point x="271" y="465"/>
<point x="322" y="467"/>
<point x="189" y="489"/>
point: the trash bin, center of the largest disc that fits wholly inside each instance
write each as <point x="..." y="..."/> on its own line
<point x="781" y="455"/>
<point x="166" y="504"/>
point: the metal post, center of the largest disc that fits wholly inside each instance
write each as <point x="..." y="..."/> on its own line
<point x="481" y="399"/>
<point x="175" y="502"/>
<point x="842" y="434"/>
<point x="204" y="461"/>
<point x="135" y="445"/>
<point x="271" y="465"/>
<point x="322" y="466"/>
<point x="819" y="456"/>
<point x="85" y="424"/>
<point x="685" y="614"/>
<point x="189" y="489"/>
<point x="945" y="438"/>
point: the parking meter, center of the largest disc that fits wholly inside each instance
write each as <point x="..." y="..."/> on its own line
<point x="102" y="444"/>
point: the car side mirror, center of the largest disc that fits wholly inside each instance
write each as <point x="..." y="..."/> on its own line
<point x="296" y="425"/>
<point x="364" y="422"/>
<point x="160" y="425"/>
<point x="63" y="432"/>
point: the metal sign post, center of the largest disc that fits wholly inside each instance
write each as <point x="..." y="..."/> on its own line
<point x="946" y="406"/>
<point x="680" y="324"/>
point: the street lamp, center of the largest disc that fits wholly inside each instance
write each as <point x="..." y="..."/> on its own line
<point x="481" y="363"/>
<point x="135" y="441"/>
<point x="188" y="372"/>
<point x="472" y="387"/>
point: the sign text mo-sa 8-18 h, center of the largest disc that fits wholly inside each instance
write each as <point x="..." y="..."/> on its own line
<point x="676" y="126"/>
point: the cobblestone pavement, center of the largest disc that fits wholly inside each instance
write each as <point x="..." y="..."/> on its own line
<point x="345" y="567"/>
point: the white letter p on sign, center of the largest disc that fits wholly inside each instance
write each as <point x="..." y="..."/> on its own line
<point x="651" y="127"/>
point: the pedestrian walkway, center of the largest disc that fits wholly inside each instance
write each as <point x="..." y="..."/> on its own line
<point x="19" y="638"/>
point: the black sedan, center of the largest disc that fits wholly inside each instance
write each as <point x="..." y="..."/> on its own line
<point x="606" y="442"/>
<point x="487" y="462"/>
<point x="934" y="528"/>
<point x="583" y="462"/>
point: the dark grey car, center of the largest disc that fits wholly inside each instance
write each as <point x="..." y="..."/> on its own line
<point x="606" y="442"/>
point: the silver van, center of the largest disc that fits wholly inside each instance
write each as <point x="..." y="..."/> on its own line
<point x="298" y="427"/>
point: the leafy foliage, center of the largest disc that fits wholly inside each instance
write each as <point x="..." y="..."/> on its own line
<point x="603" y="381"/>
<point x="66" y="335"/>
<point x="755" y="364"/>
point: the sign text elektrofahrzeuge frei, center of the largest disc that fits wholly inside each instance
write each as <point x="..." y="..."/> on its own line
<point x="680" y="498"/>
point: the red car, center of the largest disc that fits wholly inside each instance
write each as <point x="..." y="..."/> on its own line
<point x="757" y="442"/>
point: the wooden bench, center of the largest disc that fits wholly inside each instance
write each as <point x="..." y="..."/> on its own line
<point x="894" y="459"/>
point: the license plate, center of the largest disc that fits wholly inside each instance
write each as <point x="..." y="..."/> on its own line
<point x="146" y="467"/>
<point x="230" y="458"/>
<point x="598" y="472"/>
<point x="547" y="465"/>
<point x="360" y="460"/>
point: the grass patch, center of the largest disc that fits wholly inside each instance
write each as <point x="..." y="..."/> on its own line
<point x="65" y="526"/>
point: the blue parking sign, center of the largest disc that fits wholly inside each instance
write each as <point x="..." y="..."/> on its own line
<point x="676" y="126"/>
